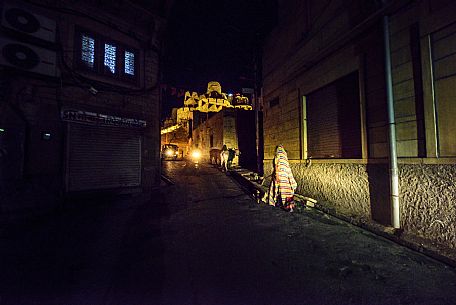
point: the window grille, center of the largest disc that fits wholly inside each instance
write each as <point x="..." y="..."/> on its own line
<point x="110" y="57"/>
<point x="101" y="55"/>
<point x="88" y="51"/>
<point x="129" y="63"/>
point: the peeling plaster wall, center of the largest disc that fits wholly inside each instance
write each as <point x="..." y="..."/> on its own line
<point x="344" y="187"/>
<point x="428" y="201"/>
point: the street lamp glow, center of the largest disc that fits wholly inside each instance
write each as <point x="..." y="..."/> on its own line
<point x="196" y="154"/>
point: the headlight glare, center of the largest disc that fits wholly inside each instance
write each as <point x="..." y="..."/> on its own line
<point x="196" y="154"/>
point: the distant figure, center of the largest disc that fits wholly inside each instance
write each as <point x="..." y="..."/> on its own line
<point x="224" y="155"/>
<point x="227" y="156"/>
<point x="283" y="184"/>
<point x="231" y="154"/>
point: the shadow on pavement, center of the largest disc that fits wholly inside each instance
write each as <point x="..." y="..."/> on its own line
<point x="97" y="250"/>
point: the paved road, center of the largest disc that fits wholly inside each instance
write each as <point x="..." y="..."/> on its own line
<point x="203" y="241"/>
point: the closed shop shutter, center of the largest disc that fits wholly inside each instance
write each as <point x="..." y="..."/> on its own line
<point x="323" y="127"/>
<point x="333" y="120"/>
<point x="102" y="157"/>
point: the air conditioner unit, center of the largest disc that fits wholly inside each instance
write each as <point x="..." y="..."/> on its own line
<point x="26" y="57"/>
<point x="23" y="20"/>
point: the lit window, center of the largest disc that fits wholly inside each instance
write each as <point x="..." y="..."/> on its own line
<point x="129" y="63"/>
<point x="110" y="57"/>
<point x="88" y="51"/>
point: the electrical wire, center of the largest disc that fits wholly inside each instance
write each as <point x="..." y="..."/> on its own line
<point x="81" y="14"/>
<point x="86" y="82"/>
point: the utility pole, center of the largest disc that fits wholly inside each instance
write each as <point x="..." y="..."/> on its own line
<point x="256" y="101"/>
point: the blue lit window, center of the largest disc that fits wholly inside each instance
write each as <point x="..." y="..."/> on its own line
<point x="88" y="51"/>
<point x="129" y="63"/>
<point x="101" y="55"/>
<point x="110" y="57"/>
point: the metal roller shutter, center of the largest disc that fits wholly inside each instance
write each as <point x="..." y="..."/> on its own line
<point x="333" y="120"/>
<point x="323" y="127"/>
<point x="102" y="157"/>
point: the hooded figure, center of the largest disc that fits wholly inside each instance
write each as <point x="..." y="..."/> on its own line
<point x="283" y="184"/>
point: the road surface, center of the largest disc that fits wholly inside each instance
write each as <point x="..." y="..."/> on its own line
<point x="204" y="241"/>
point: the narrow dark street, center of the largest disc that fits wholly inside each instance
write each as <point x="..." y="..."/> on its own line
<point x="204" y="241"/>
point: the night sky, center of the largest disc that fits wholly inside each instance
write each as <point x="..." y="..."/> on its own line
<point x="213" y="41"/>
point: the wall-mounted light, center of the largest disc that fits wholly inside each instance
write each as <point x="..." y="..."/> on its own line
<point x="46" y="136"/>
<point x="2" y="130"/>
<point x="93" y="90"/>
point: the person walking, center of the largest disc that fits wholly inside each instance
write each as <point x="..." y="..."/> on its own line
<point x="283" y="184"/>
<point x="224" y="154"/>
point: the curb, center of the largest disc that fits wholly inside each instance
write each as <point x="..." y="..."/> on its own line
<point x="255" y="189"/>
<point x="167" y="180"/>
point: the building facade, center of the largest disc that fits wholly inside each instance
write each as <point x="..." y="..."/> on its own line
<point x="214" y="131"/>
<point x="234" y="128"/>
<point x="325" y="99"/>
<point x="80" y="107"/>
<point x="176" y="130"/>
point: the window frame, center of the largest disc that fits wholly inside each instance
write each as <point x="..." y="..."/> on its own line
<point x="105" y="70"/>
<point x="306" y="141"/>
<point x="99" y="56"/>
<point x="79" y="63"/>
<point x="441" y="145"/>
<point x="126" y="76"/>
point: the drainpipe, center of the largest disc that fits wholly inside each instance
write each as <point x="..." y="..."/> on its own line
<point x="394" y="176"/>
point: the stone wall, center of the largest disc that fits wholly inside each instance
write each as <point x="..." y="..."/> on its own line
<point x="427" y="194"/>
<point x="428" y="201"/>
<point x="201" y="135"/>
<point x="221" y="127"/>
<point x="37" y="100"/>
<point x="343" y="187"/>
<point x="229" y="129"/>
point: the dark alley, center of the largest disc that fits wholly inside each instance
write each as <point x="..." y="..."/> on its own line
<point x="196" y="152"/>
<point x="204" y="241"/>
